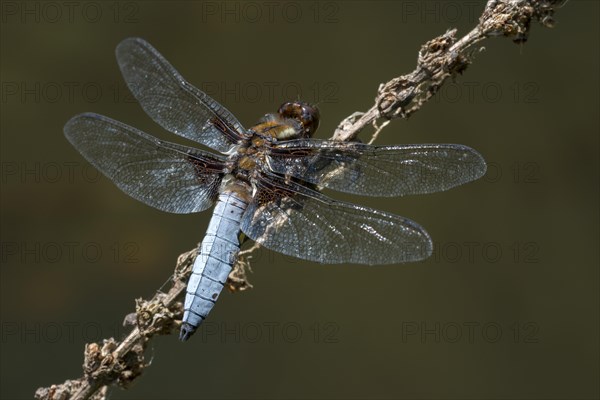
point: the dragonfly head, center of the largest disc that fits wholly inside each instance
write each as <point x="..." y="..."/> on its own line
<point x="306" y="114"/>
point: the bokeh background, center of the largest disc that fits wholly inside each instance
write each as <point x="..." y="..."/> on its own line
<point x="506" y="308"/>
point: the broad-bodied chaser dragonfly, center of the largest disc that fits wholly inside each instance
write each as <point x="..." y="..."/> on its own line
<point x="267" y="181"/>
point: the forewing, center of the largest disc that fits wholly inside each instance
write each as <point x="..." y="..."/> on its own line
<point x="171" y="101"/>
<point x="297" y="221"/>
<point x="377" y="170"/>
<point x="163" y="175"/>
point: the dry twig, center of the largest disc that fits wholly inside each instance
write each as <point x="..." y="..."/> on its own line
<point x="112" y="362"/>
<point x="444" y="57"/>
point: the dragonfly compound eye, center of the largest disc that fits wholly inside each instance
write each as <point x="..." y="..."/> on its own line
<point x="306" y="114"/>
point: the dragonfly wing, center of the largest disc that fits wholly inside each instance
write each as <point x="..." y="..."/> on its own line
<point x="377" y="170"/>
<point x="172" y="102"/>
<point x="294" y="220"/>
<point x="163" y="175"/>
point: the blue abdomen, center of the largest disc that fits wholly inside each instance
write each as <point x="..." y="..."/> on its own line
<point x="216" y="257"/>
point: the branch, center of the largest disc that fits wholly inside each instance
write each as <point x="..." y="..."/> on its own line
<point x="121" y="363"/>
<point x="112" y="362"/>
<point x="444" y="57"/>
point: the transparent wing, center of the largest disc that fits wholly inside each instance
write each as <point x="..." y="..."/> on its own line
<point x="294" y="220"/>
<point x="377" y="170"/>
<point x="171" y="101"/>
<point x="163" y="175"/>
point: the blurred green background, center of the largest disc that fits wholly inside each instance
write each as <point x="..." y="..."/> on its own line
<point x="506" y="308"/>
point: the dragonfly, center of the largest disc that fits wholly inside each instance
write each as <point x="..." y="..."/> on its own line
<point x="264" y="182"/>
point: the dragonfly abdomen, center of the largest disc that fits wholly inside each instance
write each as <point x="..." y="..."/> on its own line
<point x="213" y="264"/>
